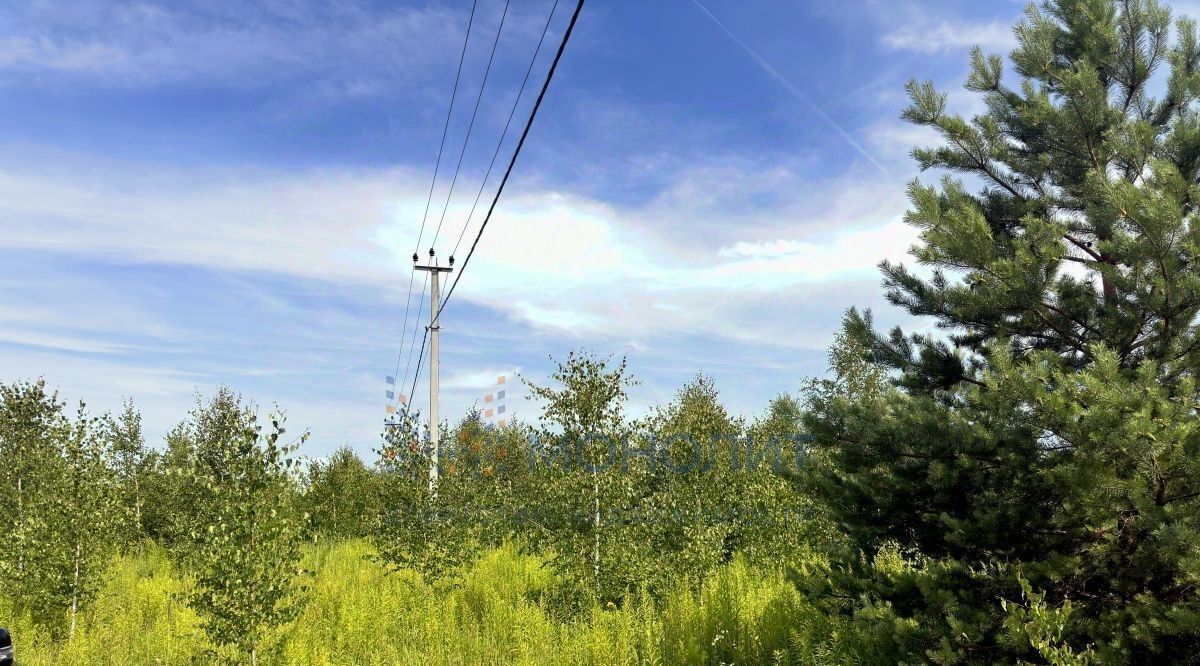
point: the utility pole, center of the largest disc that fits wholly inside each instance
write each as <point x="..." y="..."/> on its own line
<point x="435" y="298"/>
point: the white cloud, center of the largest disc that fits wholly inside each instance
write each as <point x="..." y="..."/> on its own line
<point x="479" y="380"/>
<point x="842" y="254"/>
<point x="59" y="342"/>
<point x="26" y="51"/>
<point x="312" y="225"/>
<point x="777" y="248"/>
<point x="556" y="260"/>
<point x="952" y="35"/>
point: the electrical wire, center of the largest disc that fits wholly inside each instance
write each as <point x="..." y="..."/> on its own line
<point x="413" y="343"/>
<point x="503" y="135"/>
<point x="403" y="334"/>
<point x="446" y="126"/>
<point x="420" y="358"/>
<point x="471" y="125"/>
<point x="512" y="162"/>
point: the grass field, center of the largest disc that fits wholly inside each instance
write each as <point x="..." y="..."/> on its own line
<point x="500" y="612"/>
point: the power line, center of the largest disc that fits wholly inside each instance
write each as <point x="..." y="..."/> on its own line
<point x="420" y="358"/>
<point x="446" y="127"/>
<point x="471" y="125"/>
<point x="437" y="166"/>
<point x="404" y="332"/>
<point x="413" y="343"/>
<point x="512" y="162"/>
<point x="507" y="123"/>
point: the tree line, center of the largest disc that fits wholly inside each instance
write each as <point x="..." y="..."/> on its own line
<point x="231" y="500"/>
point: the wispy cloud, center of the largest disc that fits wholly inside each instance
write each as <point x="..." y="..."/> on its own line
<point x="43" y="52"/>
<point x="342" y="48"/>
<point x="952" y="35"/>
<point x="59" y="343"/>
<point x="559" y="261"/>
<point x="479" y="380"/>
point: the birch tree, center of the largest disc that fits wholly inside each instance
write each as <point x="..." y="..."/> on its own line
<point x="583" y="434"/>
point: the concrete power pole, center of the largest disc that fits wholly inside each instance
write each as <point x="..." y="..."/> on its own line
<point x="435" y="298"/>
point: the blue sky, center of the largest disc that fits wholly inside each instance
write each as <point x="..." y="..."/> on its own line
<point x="228" y="192"/>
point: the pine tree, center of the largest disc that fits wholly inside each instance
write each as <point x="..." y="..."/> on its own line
<point x="1046" y="435"/>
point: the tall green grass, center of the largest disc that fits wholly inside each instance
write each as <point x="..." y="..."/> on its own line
<point x="499" y="612"/>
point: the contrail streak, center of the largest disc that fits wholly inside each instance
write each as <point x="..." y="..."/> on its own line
<point x="790" y="87"/>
